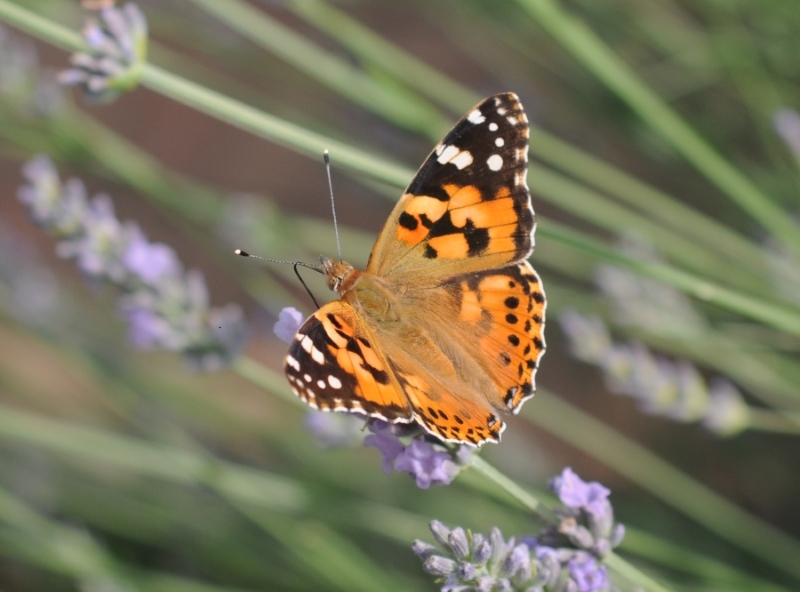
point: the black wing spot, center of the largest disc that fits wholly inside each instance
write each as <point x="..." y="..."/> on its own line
<point x="433" y="413"/>
<point x="334" y="321"/>
<point x="426" y="222"/>
<point x="505" y="358"/>
<point x="538" y="297"/>
<point x="477" y="238"/>
<point x="408" y="221"/>
<point x="512" y="302"/>
<point x="513" y="340"/>
<point x="511" y="319"/>
<point x="538" y="343"/>
<point x="430" y="252"/>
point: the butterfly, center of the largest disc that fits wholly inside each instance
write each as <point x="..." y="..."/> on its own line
<point x="445" y="327"/>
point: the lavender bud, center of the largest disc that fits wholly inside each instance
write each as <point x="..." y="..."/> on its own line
<point x="466" y="571"/>
<point x="422" y="549"/>
<point x="436" y="565"/>
<point x="482" y="553"/>
<point x="441" y="533"/>
<point x="457" y="541"/>
<point x="617" y="534"/>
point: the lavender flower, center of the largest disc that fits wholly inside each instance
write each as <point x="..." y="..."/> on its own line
<point x="426" y="462"/>
<point x="673" y="389"/>
<point x="165" y="307"/>
<point x="117" y="38"/>
<point x="289" y="322"/>
<point x="553" y="561"/>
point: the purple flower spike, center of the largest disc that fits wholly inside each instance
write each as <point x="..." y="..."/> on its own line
<point x="289" y="322"/>
<point x="576" y="493"/>
<point x="165" y="306"/>
<point x="428" y="466"/>
<point x="149" y="261"/>
<point x="386" y="442"/>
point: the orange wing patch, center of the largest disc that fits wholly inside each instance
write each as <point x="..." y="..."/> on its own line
<point x="506" y="307"/>
<point x="446" y="414"/>
<point x="333" y="366"/>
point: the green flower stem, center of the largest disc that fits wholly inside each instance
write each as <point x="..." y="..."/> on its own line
<point x="591" y="206"/>
<point x="783" y="422"/>
<point x="687" y="560"/>
<point x="665" y="482"/>
<point x="595" y="55"/>
<point x="402" y="108"/>
<point x="782" y="318"/>
<point x="72" y="552"/>
<point x="374" y="49"/>
<point x="255" y="487"/>
<point x="518" y="493"/>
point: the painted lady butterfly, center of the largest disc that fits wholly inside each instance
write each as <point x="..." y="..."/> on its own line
<point x="445" y="326"/>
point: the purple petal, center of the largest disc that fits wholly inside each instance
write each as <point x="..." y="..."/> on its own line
<point x="289" y="322"/>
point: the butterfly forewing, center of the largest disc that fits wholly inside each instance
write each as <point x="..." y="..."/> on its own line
<point x="469" y="206"/>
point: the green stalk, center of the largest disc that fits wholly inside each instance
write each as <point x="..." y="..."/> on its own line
<point x="664" y="481"/>
<point x="394" y="104"/>
<point x="172" y="464"/>
<point x="781" y="318"/>
<point x="595" y="55"/>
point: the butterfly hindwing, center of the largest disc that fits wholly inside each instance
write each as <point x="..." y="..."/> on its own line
<point x="469" y="206"/>
<point x="333" y="366"/>
<point x="499" y="314"/>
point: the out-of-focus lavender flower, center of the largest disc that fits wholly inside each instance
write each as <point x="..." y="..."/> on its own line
<point x="289" y="322"/>
<point x="673" y="389"/>
<point x="787" y="124"/>
<point x="427" y="462"/>
<point x="644" y="302"/>
<point x="165" y="307"/>
<point x="117" y="38"/>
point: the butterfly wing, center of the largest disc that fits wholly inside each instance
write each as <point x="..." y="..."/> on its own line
<point x="334" y="365"/>
<point x="468" y="208"/>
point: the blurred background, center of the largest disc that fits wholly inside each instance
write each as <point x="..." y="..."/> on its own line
<point x="664" y="138"/>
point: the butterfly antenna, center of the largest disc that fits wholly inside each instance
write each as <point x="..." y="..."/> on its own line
<point x="296" y="264"/>
<point x="327" y="158"/>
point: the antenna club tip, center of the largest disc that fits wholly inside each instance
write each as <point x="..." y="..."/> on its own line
<point x="242" y="253"/>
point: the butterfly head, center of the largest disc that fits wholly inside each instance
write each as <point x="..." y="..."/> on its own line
<point x="341" y="275"/>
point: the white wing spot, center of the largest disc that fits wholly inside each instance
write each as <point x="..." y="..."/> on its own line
<point x="463" y="160"/>
<point x="334" y="382"/>
<point x="317" y="356"/>
<point x="501" y="111"/>
<point x="512" y="120"/>
<point x="311" y="394"/>
<point x="307" y="344"/>
<point x="321" y="384"/>
<point x="476" y="117"/>
<point x="492" y="127"/>
<point x="523" y="117"/>
<point x="295" y="391"/>
<point x="307" y="377"/>
<point x="519" y="179"/>
<point x="495" y="162"/>
<point x="447" y="154"/>
<point x="497" y="101"/>
<point x="292" y="362"/>
<point x="439" y="149"/>
<point x="499" y="142"/>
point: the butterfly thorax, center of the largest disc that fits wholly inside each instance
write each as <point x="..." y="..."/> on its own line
<point x="370" y="295"/>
